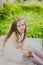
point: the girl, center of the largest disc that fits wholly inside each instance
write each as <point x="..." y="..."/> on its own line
<point x="14" y="46"/>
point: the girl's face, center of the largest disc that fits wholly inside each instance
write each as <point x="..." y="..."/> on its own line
<point x="21" y="26"/>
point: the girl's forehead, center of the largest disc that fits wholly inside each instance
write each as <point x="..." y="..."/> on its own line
<point x="20" y="22"/>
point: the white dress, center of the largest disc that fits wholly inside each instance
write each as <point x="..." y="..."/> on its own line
<point x="9" y="55"/>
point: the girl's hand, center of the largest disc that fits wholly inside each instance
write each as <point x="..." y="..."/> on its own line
<point x="28" y="52"/>
<point x="19" y="46"/>
<point x="25" y="53"/>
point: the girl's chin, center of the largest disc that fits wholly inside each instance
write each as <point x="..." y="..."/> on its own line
<point x="22" y="32"/>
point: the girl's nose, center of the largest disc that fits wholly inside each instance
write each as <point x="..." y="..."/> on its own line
<point x="21" y="27"/>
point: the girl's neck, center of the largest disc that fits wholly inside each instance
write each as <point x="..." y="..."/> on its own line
<point x="21" y="36"/>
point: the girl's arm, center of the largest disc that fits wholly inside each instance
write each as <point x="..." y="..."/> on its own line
<point x="28" y="52"/>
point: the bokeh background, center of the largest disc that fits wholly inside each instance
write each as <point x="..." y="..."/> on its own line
<point x="30" y="10"/>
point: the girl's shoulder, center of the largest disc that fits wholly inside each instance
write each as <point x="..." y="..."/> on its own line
<point x="13" y="34"/>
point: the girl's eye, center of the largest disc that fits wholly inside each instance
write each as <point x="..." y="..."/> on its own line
<point x="22" y="24"/>
<point x="18" y="25"/>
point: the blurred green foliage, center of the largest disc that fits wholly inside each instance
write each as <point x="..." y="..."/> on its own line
<point x="32" y="13"/>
